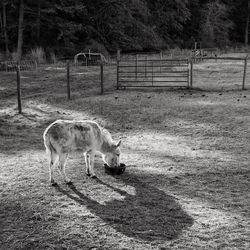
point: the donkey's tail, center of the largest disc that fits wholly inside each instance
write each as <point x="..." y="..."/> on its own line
<point x="47" y="143"/>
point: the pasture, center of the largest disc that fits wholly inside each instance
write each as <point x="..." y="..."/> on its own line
<point x="186" y="185"/>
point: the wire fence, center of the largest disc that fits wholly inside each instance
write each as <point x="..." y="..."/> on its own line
<point x="221" y="73"/>
<point x="25" y="65"/>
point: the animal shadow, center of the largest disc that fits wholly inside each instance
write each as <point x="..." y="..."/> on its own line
<point x="148" y="215"/>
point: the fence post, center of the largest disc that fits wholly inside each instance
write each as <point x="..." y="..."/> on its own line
<point x="68" y="80"/>
<point x="195" y="48"/>
<point x="191" y="73"/>
<point x="19" y="102"/>
<point x="118" y="68"/>
<point x="136" y="66"/>
<point x="118" y="55"/>
<point x="161" y="60"/>
<point x="35" y="65"/>
<point x="244" y="74"/>
<point x="89" y="55"/>
<point x="152" y="69"/>
<point x="101" y="68"/>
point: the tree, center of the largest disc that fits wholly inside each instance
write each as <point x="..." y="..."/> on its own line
<point x="169" y="18"/>
<point x="215" y="24"/>
<point x="67" y="26"/>
<point x="191" y="30"/>
<point x="20" y="31"/>
<point x="247" y="23"/>
<point x="4" y="25"/>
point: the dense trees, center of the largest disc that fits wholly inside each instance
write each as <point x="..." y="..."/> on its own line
<point x="67" y="26"/>
<point x="215" y="24"/>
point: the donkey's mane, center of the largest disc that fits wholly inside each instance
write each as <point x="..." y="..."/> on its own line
<point x="107" y="138"/>
<point x="106" y="134"/>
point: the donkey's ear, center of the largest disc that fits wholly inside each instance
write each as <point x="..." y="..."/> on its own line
<point x="118" y="144"/>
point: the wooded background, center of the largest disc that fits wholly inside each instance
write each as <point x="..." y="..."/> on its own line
<point x="65" y="27"/>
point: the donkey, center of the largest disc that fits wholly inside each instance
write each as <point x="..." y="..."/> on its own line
<point x="63" y="136"/>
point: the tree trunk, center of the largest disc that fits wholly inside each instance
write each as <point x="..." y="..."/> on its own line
<point x="20" y="31"/>
<point x="5" y="34"/>
<point x="38" y="21"/>
<point x="1" y="23"/>
<point x="247" y="23"/>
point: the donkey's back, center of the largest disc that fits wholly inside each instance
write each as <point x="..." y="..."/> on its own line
<point x="64" y="136"/>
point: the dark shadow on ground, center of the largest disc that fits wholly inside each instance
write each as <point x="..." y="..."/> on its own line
<point x="148" y="215"/>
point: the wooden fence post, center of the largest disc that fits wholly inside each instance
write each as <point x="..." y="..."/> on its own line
<point x="244" y="74"/>
<point x="152" y="71"/>
<point x="68" y="81"/>
<point x="195" y="48"/>
<point x="118" y="55"/>
<point x="19" y="102"/>
<point x="160" y="61"/>
<point x="118" y="58"/>
<point x="191" y="73"/>
<point x="136" y="66"/>
<point x="101" y="69"/>
<point x="36" y="65"/>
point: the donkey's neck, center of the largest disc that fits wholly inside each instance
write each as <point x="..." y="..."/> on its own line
<point x="107" y="142"/>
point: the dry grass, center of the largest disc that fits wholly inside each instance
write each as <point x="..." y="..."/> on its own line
<point x="187" y="181"/>
<point x="37" y="54"/>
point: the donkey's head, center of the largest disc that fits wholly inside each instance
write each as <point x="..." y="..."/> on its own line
<point x="112" y="157"/>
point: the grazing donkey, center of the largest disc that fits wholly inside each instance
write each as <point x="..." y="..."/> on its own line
<point x="62" y="137"/>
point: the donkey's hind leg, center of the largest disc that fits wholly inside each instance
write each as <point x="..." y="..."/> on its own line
<point x="91" y="163"/>
<point x="53" y="161"/>
<point x="62" y="162"/>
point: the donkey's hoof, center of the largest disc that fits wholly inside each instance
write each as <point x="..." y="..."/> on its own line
<point x="53" y="184"/>
<point x="69" y="182"/>
<point x="93" y="176"/>
<point x="88" y="174"/>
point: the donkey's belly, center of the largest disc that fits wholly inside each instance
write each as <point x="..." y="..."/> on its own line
<point x="81" y="145"/>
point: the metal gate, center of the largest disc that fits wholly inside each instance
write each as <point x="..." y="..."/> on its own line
<point x="152" y="73"/>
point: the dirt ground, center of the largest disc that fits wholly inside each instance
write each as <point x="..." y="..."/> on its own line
<point x="187" y="180"/>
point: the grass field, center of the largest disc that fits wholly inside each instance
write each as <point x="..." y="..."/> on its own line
<point x="186" y="185"/>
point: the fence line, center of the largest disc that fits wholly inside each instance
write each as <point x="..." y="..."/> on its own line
<point x="242" y="59"/>
<point x="10" y="66"/>
<point x="151" y="73"/>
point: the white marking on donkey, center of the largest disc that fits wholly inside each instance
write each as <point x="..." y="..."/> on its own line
<point x="62" y="137"/>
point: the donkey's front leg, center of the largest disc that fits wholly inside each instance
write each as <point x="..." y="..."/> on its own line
<point x="87" y="162"/>
<point x="91" y="163"/>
